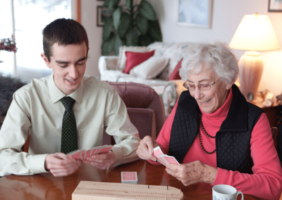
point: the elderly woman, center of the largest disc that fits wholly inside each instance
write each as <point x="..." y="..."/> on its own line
<point x="216" y="135"/>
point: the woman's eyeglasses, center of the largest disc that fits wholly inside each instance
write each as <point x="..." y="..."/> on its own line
<point x="201" y="87"/>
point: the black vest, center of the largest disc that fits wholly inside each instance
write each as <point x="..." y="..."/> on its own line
<point x="232" y="140"/>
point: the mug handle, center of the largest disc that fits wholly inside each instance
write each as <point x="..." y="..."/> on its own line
<point x="239" y="192"/>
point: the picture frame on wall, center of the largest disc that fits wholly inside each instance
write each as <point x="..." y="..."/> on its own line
<point x="274" y="5"/>
<point x="103" y="14"/>
<point x="195" y="13"/>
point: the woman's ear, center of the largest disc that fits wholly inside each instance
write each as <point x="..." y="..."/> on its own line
<point x="229" y="85"/>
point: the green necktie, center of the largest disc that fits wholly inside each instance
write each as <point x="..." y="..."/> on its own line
<point x="69" y="134"/>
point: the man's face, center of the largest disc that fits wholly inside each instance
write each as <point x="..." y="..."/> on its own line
<point x="68" y="63"/>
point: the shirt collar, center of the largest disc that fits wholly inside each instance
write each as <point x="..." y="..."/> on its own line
<point x="56" y="94"/>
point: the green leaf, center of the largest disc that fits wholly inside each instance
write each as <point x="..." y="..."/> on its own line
<point x="147" y="10"/>
<point x="124" y="24"/>
<point x="155" y="31"/>
<point x="145" y="40"/>
<point x="128" y="3"/>
<point x="141" y="24"/>
<point x="131" y="38"/>
<point x="113" y="4"/>
<point x="108" y="45"/>
<point x="118" y="44"/>
<point x="106" y="3"/>
<point x="116" y="17"/>
<point x="107" y="29"/>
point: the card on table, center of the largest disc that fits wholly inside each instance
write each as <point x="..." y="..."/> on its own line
<point x="129" y="177"/>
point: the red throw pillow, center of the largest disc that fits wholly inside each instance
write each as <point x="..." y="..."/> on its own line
<point x="135" y="58"/>
<point x="175" y="74"/>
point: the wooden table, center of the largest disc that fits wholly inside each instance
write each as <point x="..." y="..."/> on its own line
<point x="46" y="186"/>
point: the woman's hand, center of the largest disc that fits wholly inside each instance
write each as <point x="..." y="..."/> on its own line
<point x="193" y="172"/>
<point x="146" y="147"/>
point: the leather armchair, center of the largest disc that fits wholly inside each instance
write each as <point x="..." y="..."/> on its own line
<point x="144" y="106"/>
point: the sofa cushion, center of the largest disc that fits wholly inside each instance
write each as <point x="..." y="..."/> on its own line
<point x="135" y="58"/>
<point x="173" y="51"/>
<point x="122" y="57"/>
<point x="175" y="73"/>
<point x="150" y="68"/>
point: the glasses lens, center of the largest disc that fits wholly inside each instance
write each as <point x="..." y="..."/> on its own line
<point x="204" y="87"/>
<point x="191" y="87"/>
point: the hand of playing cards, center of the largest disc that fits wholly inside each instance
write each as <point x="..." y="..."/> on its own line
<point x="163" y="158"/>
<point x="82" y="154"/>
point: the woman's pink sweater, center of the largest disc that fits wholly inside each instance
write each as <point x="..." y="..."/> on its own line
<point x="266" y="180"/>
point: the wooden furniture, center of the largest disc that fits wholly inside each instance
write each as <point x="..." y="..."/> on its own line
<point x="46" y="186"/>
<point x="271" y="112"/>
<point x="88" y="190"/>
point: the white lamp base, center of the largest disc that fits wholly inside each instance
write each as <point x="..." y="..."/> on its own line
<point x="250" y="71"/>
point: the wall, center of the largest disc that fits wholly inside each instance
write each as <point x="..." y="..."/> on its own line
<point x="226" y="17"/>
<point x="88" y="20"/>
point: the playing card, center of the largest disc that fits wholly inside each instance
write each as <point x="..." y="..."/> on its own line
<point x="76" y="154"/>
<point x="97" y="150"/>
<point x="171" y="159"/>
<point x="157" y="152"/>
<point x="105" y="149"/>
<point x="129" y="177"/>
<point x="82" y="155"/>
<point x="163" y="160"/>
<point x="88" y="153"/>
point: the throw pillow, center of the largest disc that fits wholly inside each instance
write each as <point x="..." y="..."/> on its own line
<point x="150" y="68"/>
<point x="122" y="57"/>
<point x="134" y="58"/>
<point x="175" y="73"/>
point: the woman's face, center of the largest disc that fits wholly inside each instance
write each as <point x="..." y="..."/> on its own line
<point x="212" y="99"/>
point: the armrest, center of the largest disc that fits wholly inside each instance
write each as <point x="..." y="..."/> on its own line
<point x="107" y="63"/>
<point x="171" y="94"/>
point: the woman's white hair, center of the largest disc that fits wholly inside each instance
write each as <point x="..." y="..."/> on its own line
<point x="217" y="56"/>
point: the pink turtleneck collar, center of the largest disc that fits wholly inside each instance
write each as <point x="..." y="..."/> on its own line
<point x="213" y="121"/>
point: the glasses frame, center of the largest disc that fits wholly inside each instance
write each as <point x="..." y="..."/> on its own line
<point x="185" y="84"/>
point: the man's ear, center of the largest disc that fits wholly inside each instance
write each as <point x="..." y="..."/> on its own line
<point x="45" y="60"/>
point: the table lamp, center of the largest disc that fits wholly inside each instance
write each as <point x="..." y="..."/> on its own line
<point x="255" y="33"/>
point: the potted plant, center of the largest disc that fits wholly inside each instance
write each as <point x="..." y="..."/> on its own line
<point x="130" y="25"/>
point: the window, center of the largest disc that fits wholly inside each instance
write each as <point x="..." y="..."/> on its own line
<point x="30" y="17"/>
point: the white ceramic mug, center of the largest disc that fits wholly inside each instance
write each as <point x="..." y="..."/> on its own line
<point x="225" y="192"/>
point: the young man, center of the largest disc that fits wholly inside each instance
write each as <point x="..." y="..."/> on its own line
<point x="64" y="112"/>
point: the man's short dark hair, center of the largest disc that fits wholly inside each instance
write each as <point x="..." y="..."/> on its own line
<point x="64" y="32"/>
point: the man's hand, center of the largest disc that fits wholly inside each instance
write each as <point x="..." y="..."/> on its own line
<point x="59" y="166"/>
<point x="101" y="161"/>
<point x="193" y="172"/>
<point x="146" y="148"/>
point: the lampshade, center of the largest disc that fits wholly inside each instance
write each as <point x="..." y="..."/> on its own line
<point x="255" y="33"/>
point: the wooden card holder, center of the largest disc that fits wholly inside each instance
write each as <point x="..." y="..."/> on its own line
<point x="88" y="190"/>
